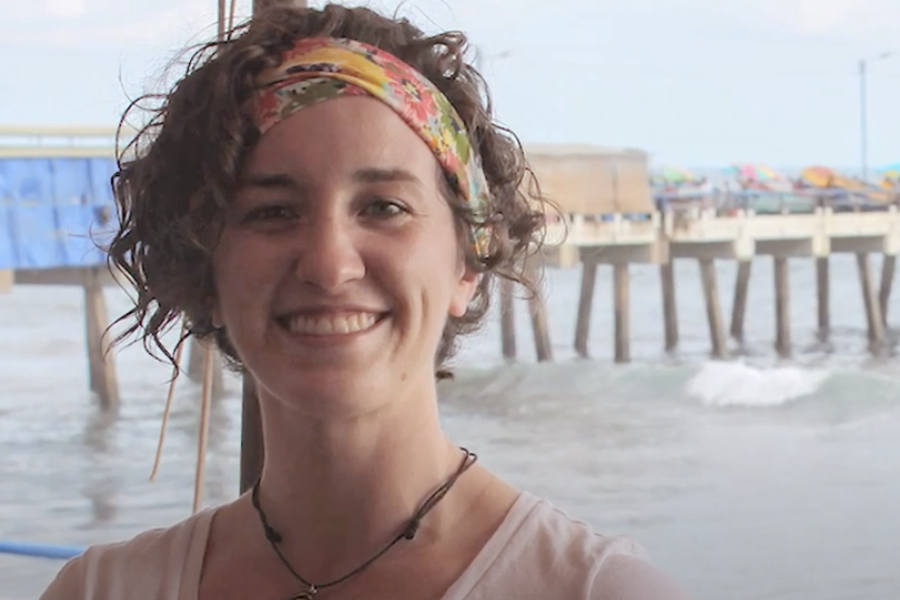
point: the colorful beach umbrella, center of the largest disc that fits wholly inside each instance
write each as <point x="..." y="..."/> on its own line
<point x="756" y="172"/>
<point x="678" y="175"/>
<point x="819" y="176"/>
<point x="892" y="170"/>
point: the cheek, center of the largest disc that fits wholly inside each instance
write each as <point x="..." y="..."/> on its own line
<point x="242" y="272"/>
<point x="437" y="269"/>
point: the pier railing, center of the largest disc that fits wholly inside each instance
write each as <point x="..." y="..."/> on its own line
<point x="824" y="230"/>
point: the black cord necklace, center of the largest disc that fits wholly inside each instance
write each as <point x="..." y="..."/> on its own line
<point x="408" y="533"/>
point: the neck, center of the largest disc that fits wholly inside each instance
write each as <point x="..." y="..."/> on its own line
<point x="339" y="489"/>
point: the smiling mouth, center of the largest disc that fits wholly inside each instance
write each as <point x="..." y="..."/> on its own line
<point x="325" y="325"/>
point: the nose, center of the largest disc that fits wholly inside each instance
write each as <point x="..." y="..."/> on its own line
<point x="331" y="257"/>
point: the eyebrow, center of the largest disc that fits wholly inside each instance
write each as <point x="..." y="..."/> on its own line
<point x="367" y="175"/>
<point x="377" y="175"/>
<point x="271" y="180"/>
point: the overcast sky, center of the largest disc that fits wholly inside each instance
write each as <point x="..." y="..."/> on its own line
<point x="694" y="82"/>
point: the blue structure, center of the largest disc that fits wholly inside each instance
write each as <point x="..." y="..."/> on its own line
<point x="40" y="550"/>
<point x="55" y="212"/>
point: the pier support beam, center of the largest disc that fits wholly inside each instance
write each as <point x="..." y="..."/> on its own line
<point x="539" y="326"/>
<point x="101" y="368"/>
<point x="782" y="308"/>
<point x="670" y="305"/>
<point x="713" y="307"/>
<point x="739" y="308"/>
<point x="507" y="319"/>
<point x="585" y="306"/>
<point x="870" y="300"/>
<point x="623" y="336"/>
<point x="823" y="295"/>
<point x="888" y="266"/>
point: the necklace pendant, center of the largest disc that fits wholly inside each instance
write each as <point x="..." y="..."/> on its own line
<point x="307" y="595"/>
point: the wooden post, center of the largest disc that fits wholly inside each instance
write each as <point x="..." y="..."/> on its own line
<point x="101" y="368"/>
<point x="621" y="284"/>
<point x="507" y="319"/>
<point x="6" y="280"/>
<point x="585" y="305"/>
<point x="251" y="427"/>
<point x="713" y="309"/>
<point x="782" y="308"/>
<point x="739" y="308"/>
<point x="670" y="305"/>
<point x="540" y="328"/>
<point x="888" y="267"/>
<point x="252" y="448"/>
<point x="822" y="291"/>
<point x="870" y="300"/>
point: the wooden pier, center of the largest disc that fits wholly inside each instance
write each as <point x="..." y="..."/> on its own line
<point x="578" y="176"/>
<point x="704" y="236"/>
<point x="81" y="143"/>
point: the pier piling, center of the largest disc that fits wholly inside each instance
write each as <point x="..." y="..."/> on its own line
<point x="713" y="307"/>
<point x="670" y="305"/>
<point x="507" y="319"/>
<point x="870" y="300"/>
<point x="739" y="307"/>
<point x="585" y="305"/>
<point x="823" y="295"/>
<point x="101" y="368"/>
<point x="782" y="307"/>
<point x="621" y="290"/>
<point x="888" y="266"/>
<point x="539" y="326"/>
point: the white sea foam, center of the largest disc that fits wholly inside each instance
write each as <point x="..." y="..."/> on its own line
<point x="738" y="384"/>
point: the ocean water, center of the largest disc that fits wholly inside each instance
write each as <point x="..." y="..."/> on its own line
<point x="751" y="478"/>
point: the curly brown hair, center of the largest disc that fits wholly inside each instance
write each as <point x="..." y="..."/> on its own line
<point x="182" y="169"/>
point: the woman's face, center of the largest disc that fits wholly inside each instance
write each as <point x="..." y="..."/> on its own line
<point x="339" y="261"/>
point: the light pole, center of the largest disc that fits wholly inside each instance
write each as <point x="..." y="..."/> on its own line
<point x="863" y="108"/>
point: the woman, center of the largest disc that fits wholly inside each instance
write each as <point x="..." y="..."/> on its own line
<point x="326" y="197"/>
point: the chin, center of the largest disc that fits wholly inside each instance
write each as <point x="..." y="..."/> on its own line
<point x="332" y="392"/>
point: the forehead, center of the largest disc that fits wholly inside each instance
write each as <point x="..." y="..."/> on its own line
<point x="341" y="135"/>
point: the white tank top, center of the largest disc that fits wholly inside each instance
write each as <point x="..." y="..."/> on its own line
<point x="537" y="553"/>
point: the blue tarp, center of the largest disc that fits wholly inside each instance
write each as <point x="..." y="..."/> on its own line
<point x="54" y="211"/>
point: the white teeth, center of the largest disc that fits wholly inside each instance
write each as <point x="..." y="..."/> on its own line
<point x="331" y="325"/>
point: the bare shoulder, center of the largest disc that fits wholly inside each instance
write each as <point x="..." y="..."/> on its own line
<point x="566" y="556"/>
<point x="148" y="565"/>
<point x="68" y="583"/>
<point x="631" y="577"/>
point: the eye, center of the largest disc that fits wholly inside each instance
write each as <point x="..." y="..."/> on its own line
<point x="270" y="212"/>
<point x="384" y="208"/>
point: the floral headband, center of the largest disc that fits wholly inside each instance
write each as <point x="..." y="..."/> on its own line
<point x="318" y="69"/>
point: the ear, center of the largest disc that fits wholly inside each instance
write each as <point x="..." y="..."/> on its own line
<point x="465" y="289"/>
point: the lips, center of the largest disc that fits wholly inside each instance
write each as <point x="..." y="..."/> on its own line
<point x="330" y="324"/>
